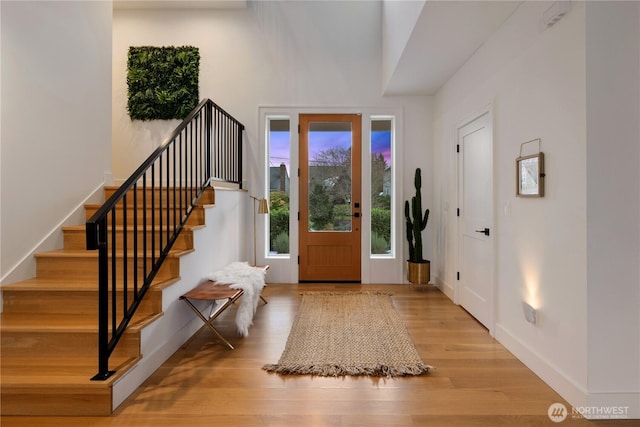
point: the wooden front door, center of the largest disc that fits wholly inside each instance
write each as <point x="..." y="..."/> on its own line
<point x="330" y="192"/>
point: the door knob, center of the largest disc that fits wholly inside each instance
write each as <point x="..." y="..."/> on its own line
<point x="485" y="231"/>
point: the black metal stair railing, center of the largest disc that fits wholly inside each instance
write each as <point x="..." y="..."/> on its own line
<point x="134" y="230"/>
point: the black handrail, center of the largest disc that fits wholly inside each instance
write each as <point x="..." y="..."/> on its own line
<point x="205" y="147"/>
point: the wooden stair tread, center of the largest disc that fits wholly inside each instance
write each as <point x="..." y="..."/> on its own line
<point x="66" y="285"/>
<point x="207" y="196"/>
<point x="83" y="228"/>
<point x="37" y="381"/>
<point x="60" y="371"/>
<point x="111" y="188"/>
<point x="55" y="284"/>
<point x="27" y="362"/>
<point x="82" y="253"/>
<point x="80" y="378"/>
<point x="140" y="207"/>
<point x="48" y="373"/>
<point x="62" y="323"/>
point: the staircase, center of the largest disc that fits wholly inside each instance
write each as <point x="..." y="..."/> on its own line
<point x="49" y="327"/>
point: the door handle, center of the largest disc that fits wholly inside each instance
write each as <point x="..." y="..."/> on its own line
<point x="485" y="231"/>
<point x="357" y="215"/>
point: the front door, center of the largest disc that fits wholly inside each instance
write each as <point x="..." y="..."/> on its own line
<point x="330" y="204"/>
<point x="476" y="219"/>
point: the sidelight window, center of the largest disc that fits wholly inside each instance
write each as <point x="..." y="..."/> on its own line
<point x="382" y="197"/>
<point x="279" y="146"/>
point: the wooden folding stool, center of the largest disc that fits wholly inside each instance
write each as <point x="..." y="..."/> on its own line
<point x="209" y="291"/>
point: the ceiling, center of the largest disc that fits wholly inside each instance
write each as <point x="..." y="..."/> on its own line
<point x="445" y="36"/>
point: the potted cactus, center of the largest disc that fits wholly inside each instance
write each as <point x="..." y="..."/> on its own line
<point x="418" y="269"/>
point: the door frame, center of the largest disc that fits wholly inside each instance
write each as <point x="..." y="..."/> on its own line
<point x="486" y="110"/>
<point x="284" y="269"/>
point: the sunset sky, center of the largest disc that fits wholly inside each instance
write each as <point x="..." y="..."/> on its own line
<point x="319" y="141"/>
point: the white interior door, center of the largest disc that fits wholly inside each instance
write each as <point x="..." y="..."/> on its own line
<point x="475" y="286"/>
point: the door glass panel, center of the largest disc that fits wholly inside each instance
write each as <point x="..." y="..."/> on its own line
<point x="330" y="176"/>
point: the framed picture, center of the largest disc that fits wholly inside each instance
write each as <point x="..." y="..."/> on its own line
<point x="530" y="176"/>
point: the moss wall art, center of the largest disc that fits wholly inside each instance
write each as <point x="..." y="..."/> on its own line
<point x="162" y="82"/>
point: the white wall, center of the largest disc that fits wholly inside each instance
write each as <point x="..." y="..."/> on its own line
<point x="272" y="54"/>
<point x="534" y="79"/>
<point x="398" y="21"/>
<point x="56" y="120"/>
<point x="572" y="254"/>
<point x="613" y="215"/>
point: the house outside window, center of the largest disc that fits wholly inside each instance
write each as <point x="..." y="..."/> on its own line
<point x="279" y="146"/>
<point x="382" y="198"/>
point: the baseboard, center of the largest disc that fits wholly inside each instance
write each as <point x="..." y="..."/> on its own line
<point x="572" y="392"/>
<point x="445" y="287"/>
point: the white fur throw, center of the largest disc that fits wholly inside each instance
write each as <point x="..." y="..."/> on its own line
<point x="240" y="275"/>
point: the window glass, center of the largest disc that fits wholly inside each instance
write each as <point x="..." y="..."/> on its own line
<point x="279" y="145"/>
<point x="330" y="176"/>
<point x="381" y="186"/>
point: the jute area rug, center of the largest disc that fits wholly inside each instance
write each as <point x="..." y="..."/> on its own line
<point x="339" y="334"/>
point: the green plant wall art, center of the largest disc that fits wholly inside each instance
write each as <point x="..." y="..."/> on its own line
<point x="162" y="82"/>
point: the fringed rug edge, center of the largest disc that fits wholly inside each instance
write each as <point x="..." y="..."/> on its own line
<point x="341" y="371"/>
<point x="331" y="293"/>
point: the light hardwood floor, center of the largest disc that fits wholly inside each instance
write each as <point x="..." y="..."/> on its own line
<point x="477" y="382"/>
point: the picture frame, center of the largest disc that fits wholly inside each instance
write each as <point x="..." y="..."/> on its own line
<point x="530" y="175"/>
